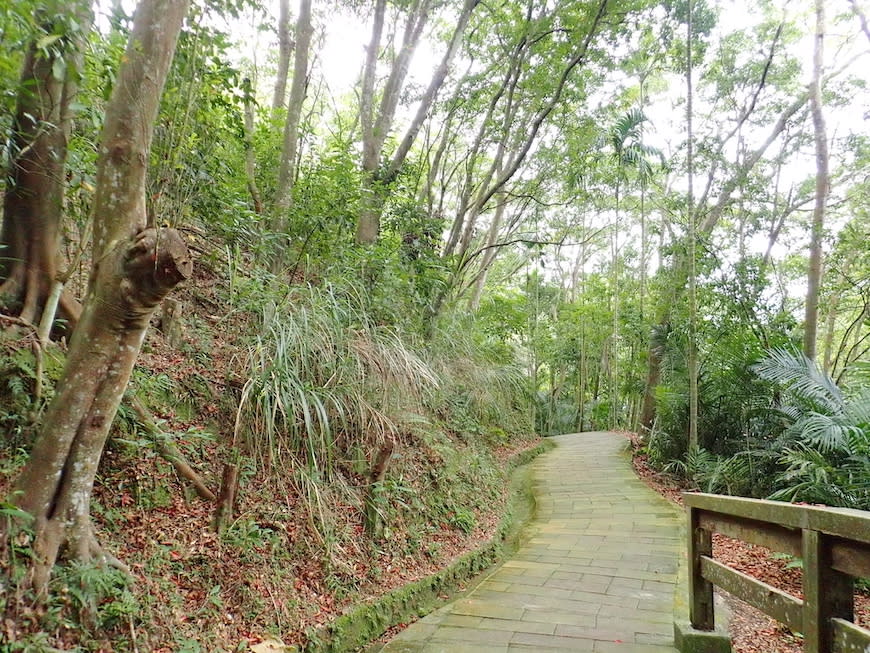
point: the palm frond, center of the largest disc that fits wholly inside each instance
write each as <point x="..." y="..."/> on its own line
<point x="801" y="377"/>
<point x="827" y="433"/>
<point x="858" y="410"/>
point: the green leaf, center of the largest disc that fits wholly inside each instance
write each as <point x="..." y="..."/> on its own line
<point x="58" y="69"/>
<point x="47" y="40"/>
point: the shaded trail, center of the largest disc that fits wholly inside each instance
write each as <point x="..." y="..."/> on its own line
<point x="596" y="574"/>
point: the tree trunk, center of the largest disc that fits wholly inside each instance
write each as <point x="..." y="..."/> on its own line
<point x="371" y="515"/>
<point x="287" y="169"/>
<point x="134" y="268"/>
<point x="692" y="362"/>
<point x="814" y="273"/>
<point x="33" y="202"/>
<point x="380" y="122"/>
<point x="833" y="304"/>
<point x="285" y="48"/>
<point x="367" y="225"/>
<point x="250" y="154"/>
<point x="653" y="378"/>
<point x="706" y="226"/>
<point x="376" y="128"/>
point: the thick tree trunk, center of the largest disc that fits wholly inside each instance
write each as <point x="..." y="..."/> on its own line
<point x="33" y="202"/>
<point x="653" y="378"/>
<point x="134" y="268"/>
<point x="814" y="272"/>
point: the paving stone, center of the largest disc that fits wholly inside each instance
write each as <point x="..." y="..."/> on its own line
<point x="449" y="646"/>
<point x="552" y="643"/>
<point x="596" y="573"/>
<point x="473" y="636"/>
<point x="473" y="608"/>
<point x="462" y="621"/>
<point x="623" y="647"/>
<point x="552" y="616"/>
<point x="535" y="627"/>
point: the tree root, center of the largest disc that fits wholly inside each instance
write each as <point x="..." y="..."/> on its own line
<point x="226" y="503"/>
<point x="169" y="452"/>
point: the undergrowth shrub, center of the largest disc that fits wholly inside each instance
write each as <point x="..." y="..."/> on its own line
<point x="324" y="380"/>
<point x="484" y="389"/>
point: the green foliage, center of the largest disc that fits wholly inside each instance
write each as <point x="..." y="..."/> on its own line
<point x="483" y="389"/>
<point x="92" y="600"/>
<point x="323" y="376"/>
<point x="825" y="439"/>
<point x="370" y="619"/>
<point x="704" y="471"/>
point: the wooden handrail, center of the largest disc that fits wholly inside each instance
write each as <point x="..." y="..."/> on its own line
<point x="834" y="544"/>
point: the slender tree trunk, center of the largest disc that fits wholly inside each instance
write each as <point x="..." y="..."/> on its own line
<point x="705" y="227"/>
<point x="34" y="197"/>
<point x="489" y="256"/>
<point x="693" y="302"/>
<point x="814" y="273"/>
<point x="368" y="226"/>
<point x="830" y="326"/>
<point x="613" y="377"/>
<point x="287" y="169"/>
<point x="862" y="18"/>
<point x="134" y="268"/>
<point x="375" y="180"/>
<point x="250" y="154"/>
<point x="285" y="49"/>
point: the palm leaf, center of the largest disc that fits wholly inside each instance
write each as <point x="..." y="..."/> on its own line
<point x="801" y="377"/>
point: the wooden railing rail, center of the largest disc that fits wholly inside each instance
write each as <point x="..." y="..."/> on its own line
<point x="834" y="544"/>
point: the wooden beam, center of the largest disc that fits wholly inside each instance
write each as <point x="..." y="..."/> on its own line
<point x="852" y="558"/>
<point x="778" y="604"/>
<point x="849" y="638"/>
<point x="700" y="589"/>
<point x="771" y="536"/>
<point x="842" y="522"/>
<point x="827" y="594"/>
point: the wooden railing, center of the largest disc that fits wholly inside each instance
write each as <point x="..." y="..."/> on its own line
<point x="834" y="544"/>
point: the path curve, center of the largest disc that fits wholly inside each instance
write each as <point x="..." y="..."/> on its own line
<point x="597" y="572"/>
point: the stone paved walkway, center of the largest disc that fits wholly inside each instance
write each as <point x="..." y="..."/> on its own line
<point x="597" y="573"/>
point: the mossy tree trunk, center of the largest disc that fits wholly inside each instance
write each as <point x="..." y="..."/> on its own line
<point x="134" y="267"/>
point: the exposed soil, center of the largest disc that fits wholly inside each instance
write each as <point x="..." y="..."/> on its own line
<point x="751" y="630"/>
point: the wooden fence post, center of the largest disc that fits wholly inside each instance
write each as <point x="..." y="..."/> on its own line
<point x="700" y="590"/>
<point x="827" y="593"/>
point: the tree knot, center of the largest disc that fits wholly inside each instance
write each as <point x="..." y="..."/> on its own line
<point x="157" y="261"/>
